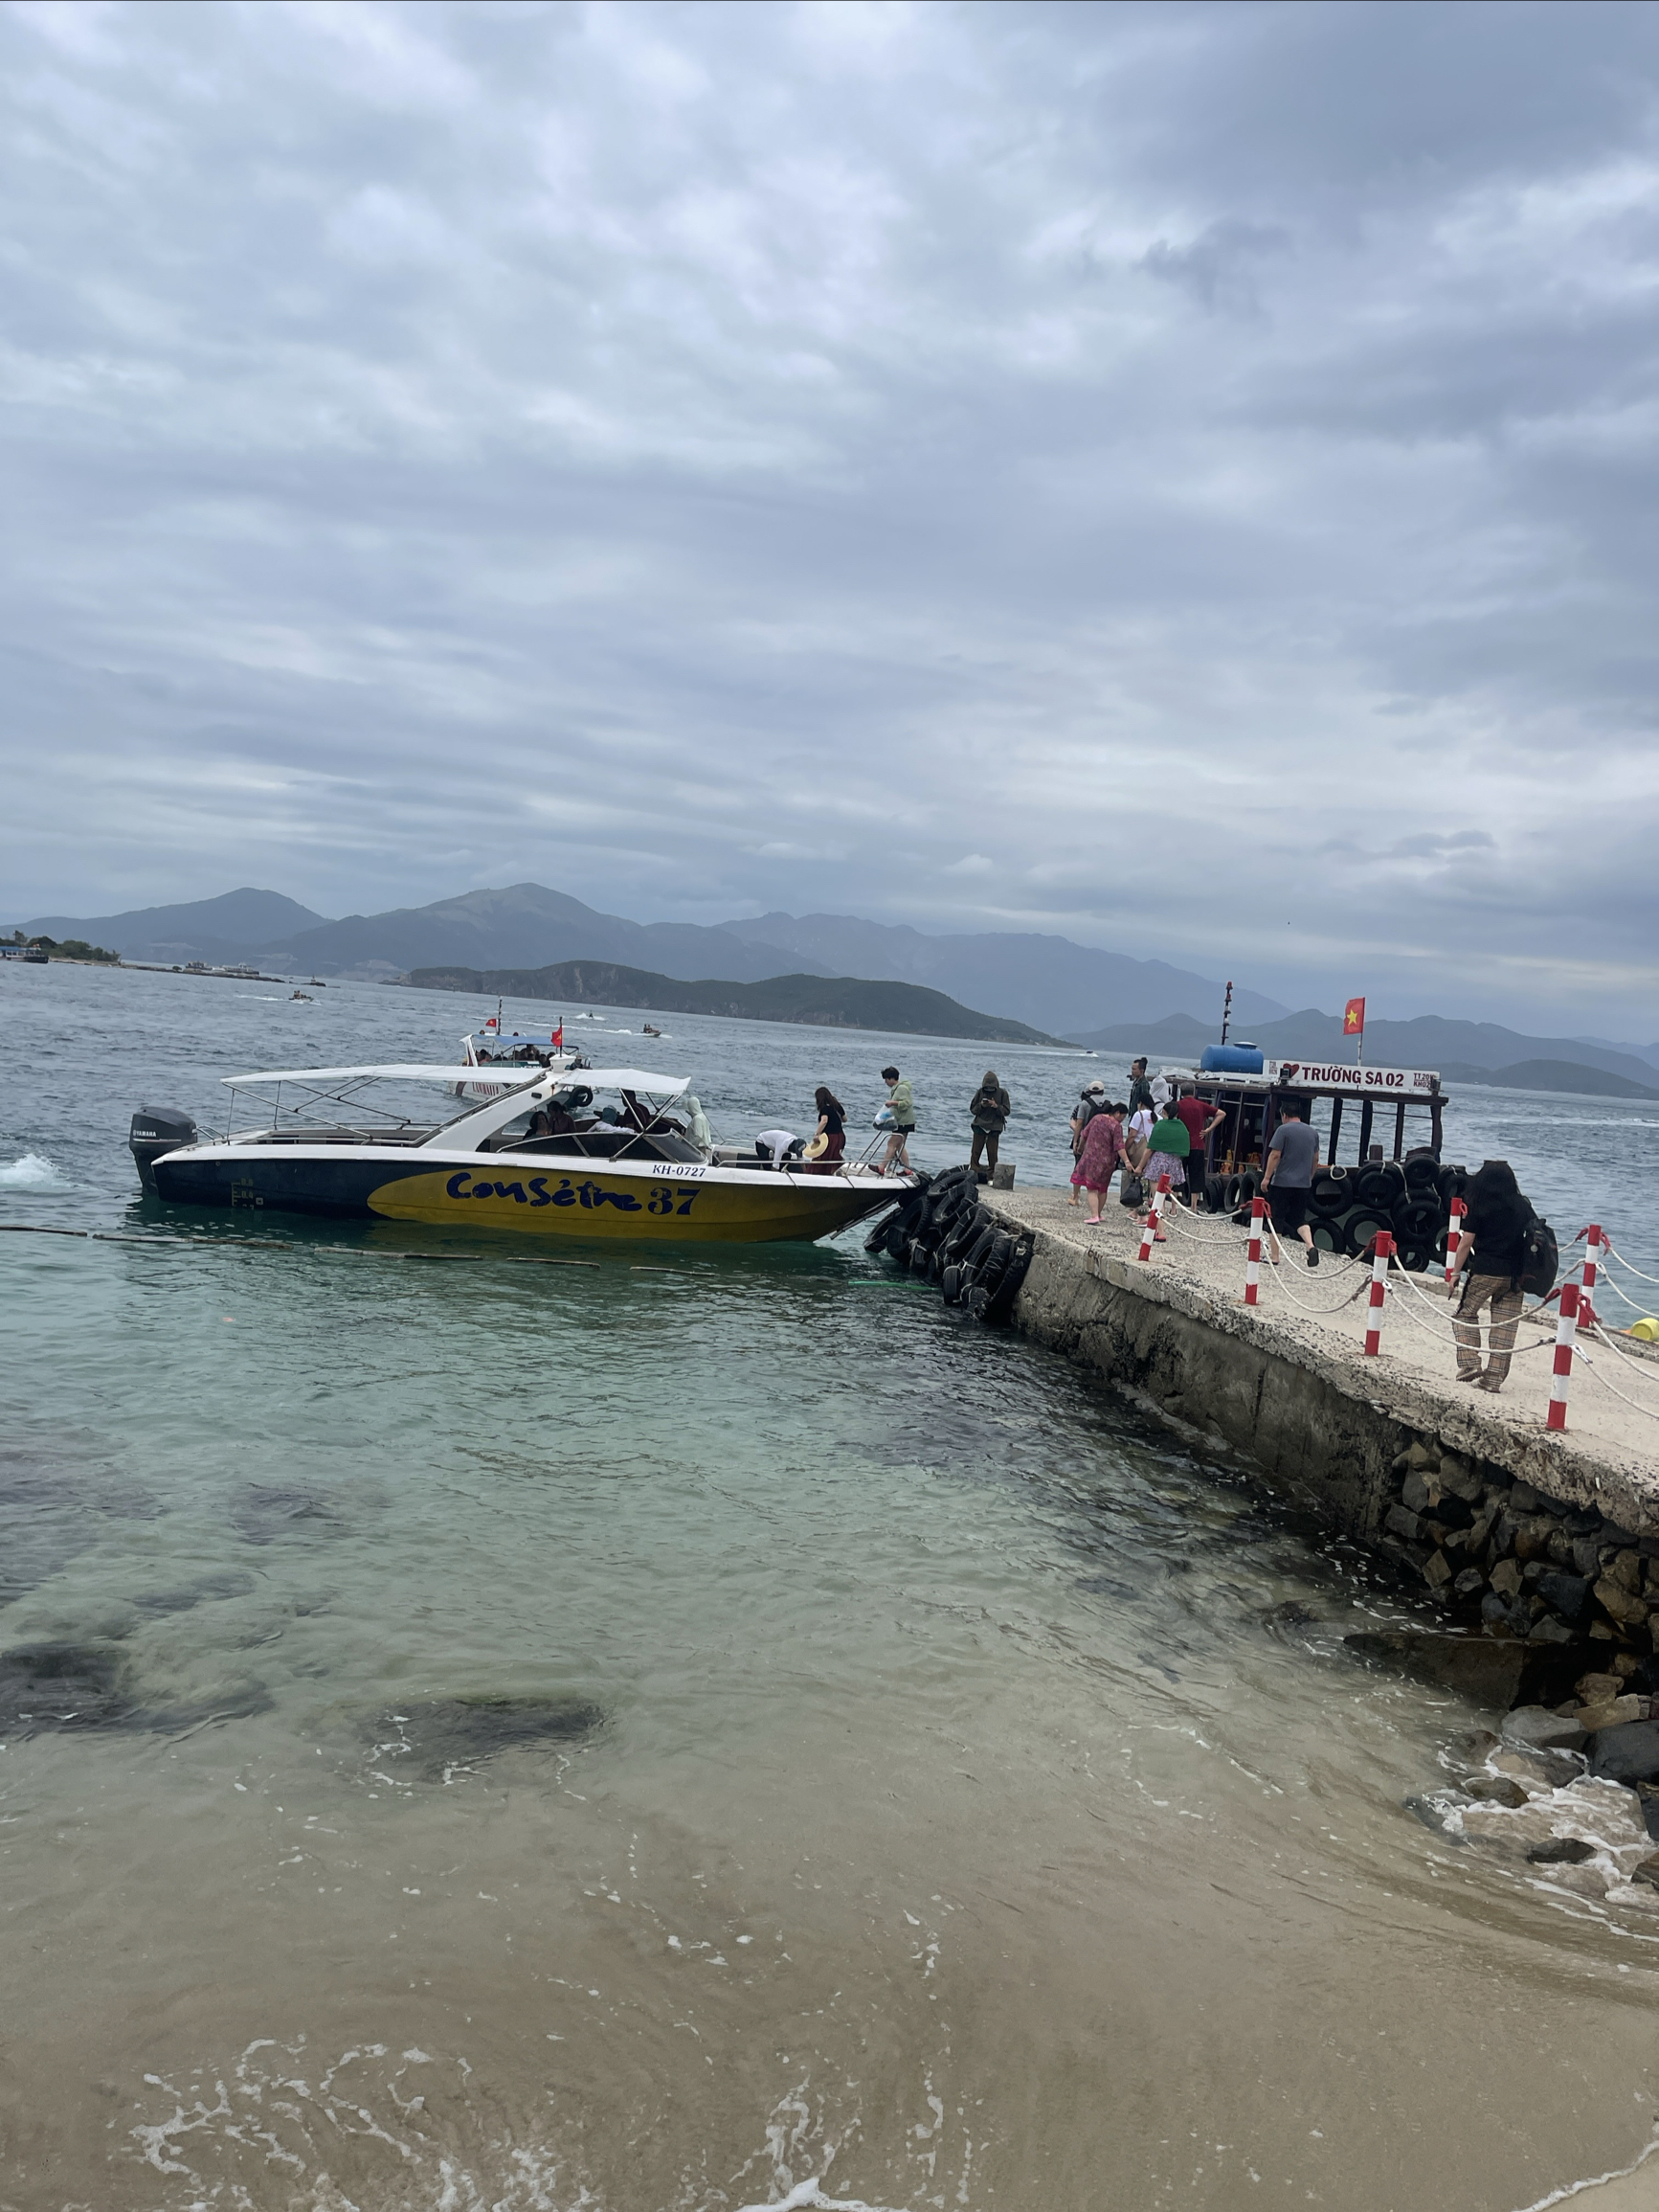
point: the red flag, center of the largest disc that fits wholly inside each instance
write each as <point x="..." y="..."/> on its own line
<point x="1354" y="1018"/>
<point x="559" y="1038"/>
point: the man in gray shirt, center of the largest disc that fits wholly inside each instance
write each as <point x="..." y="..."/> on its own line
<point x="1293" y="1156"/>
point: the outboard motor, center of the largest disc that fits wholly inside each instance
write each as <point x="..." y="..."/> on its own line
<point x="155" y="1130"/>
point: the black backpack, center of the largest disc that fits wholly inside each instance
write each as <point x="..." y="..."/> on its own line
<point x="1541" y="1257"/>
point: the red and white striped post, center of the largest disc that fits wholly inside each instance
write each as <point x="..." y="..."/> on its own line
<point x="1454" y="1238"/>
<point x="1254" y="1251"/>
<point x="1149" y="1233"/>
<point x="1383" y="1249"/>
<point x="1593" y="1242"/>
<point x="1565" y="1329"/>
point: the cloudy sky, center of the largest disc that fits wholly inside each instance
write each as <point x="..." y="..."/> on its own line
<point x="1181" y="476"/>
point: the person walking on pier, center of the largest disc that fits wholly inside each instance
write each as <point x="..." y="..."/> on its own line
<point x="1288" y="1178"/>
<point x="988" y="1112"/>
<point x="1092" y="1103"/>
<point x="1491" y="1260"/>
<point x="1139" y="1088"/>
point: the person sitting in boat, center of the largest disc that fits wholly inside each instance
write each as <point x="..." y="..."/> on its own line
<point x="823" y="1154"/>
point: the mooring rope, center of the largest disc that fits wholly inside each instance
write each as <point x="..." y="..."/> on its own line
<point x="1629" y="1266"/>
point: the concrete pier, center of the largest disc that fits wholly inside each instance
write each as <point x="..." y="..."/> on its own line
<point x="1286" y="1384"/>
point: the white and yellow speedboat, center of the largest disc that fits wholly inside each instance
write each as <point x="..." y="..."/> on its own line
<point x="550" y="1157"/>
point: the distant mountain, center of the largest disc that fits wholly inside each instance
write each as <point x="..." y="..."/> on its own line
<point x="227" y="928"/>
<point x="1560" y="1076"/>
<point x="1648" y="1052"/>
<point x="819" y="1002"/>
<point x="522" y="926"/>
<point x="1046" y="979"/>
<point x="1430" y="1041"/>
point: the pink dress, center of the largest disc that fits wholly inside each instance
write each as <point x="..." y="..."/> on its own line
<point x="1102" y="1153"/>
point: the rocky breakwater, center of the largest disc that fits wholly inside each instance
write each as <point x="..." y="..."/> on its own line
<point x="1553" y="1608"/>
<point x="1532" y="1558"/>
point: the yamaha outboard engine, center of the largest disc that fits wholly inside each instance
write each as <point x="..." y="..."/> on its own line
<point x="155" y="1130"/>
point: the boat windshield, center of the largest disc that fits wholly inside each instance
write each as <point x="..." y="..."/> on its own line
<point x="595" y="1112"/>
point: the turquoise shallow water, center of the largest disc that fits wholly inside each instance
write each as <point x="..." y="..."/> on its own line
<point x="930" y="1777"/>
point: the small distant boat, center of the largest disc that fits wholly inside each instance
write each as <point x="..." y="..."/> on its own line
<point x="317" y="984"/>
<point x="304" y="998"/>
<point x="646" y="1030"/>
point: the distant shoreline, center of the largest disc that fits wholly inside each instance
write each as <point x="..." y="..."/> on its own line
<point x="812" y="1002"/>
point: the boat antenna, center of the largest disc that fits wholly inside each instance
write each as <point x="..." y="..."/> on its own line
<point x="1226" y="1011"/>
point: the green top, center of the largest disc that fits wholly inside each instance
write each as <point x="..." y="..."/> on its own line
<point x="1171" y="1137"/>
<point x="903" y="1101"/>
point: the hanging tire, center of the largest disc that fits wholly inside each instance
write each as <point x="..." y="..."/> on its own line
<point x="1327" y="1234"/>
<point x="1418" y="1223"/>
<point x="1362" y="1226"/>
<point x="1329" y="1196"/>
<point x="1374" y="1186"/>
<point x="1216" y="1193"/>
<point x="950" y="1282"/>
<point x="997" y="1263"/>
<point x="878" y="1239"/>
<point x="1232" y="1193"/>
<point x="1423" y="1175"/>
<point x="1001" y="1306"/>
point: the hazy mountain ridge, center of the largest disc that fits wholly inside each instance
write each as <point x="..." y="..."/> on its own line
<point x="1428" y="1040"/>
<point x="1049" y="981"/>
<point x="226" y="927"/>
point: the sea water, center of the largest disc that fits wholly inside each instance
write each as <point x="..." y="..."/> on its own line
<point x="707" y="1729"/>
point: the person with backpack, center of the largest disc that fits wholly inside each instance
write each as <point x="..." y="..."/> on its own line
<point x="988" y="1112"/>
<point x="1491" y="1259"/>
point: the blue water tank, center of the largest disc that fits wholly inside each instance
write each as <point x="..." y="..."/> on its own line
<point x="1230" y="1060"/>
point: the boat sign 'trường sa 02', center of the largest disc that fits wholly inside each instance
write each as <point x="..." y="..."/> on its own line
<point x="553" y="1156"/>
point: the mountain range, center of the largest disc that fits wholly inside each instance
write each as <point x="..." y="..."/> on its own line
<point x="1047" y="983"/>
<point x="1102" y="999"/>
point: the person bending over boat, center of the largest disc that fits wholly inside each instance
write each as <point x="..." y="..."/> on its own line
<point x="823" y="1154"/>
<point x="1492" y="1261"/>
<point x="1101" y="1155"/>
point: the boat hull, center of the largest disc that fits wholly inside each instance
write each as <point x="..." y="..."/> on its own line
<point x="528" y="1195"/>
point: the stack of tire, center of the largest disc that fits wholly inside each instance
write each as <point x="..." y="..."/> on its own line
<point x="942" y="1231"/>
<point x="1411" y="1199"/>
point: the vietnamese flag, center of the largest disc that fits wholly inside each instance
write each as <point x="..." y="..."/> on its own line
<point x="559" y="1038"/>
<point x="1354" y="1018"/>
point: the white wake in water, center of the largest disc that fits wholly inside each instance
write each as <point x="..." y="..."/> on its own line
<point x="32" y="1172"/>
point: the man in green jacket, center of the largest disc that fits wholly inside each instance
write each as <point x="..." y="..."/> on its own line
<point x="902" y="1106"/>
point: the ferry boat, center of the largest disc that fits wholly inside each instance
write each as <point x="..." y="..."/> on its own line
<point x="1394" y="1178"/>
<point x="568" y="1151"/>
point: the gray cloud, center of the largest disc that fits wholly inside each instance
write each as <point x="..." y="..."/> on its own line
<point x="720" y="458"/>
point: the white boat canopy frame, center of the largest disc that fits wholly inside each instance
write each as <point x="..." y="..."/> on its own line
<point x="464" y="1131"/>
